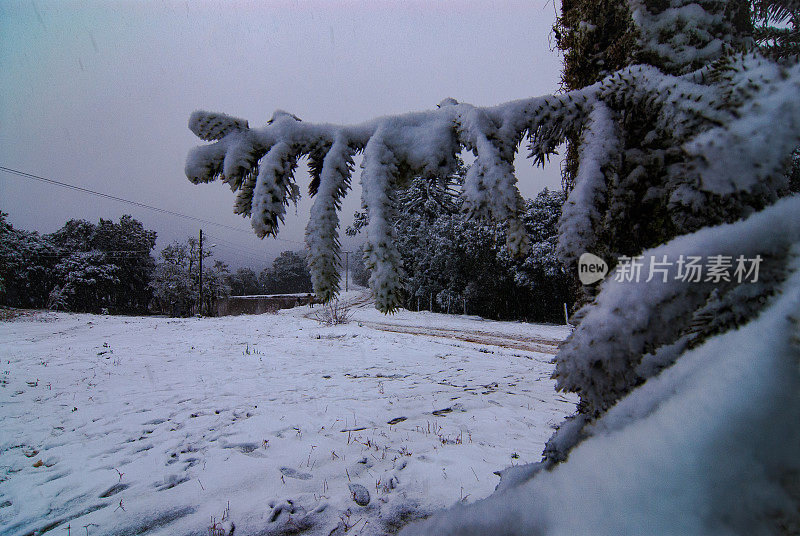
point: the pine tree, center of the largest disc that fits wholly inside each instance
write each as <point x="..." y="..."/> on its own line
<point x="289" y="274"/>
<point x="27" y="260"/>
<point x="777" y="28"/>
<point x="243" y="282"/>
<point x="174" y="283"/>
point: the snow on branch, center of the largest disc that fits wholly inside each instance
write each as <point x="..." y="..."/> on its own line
<point x="599" y="151"/>
<point x="636" y="328"/>
<point x="322" y="231"/>
<point x="212" y="127"/>
<point x="259" y="164"/>
<point x="682" y="35"/>
<point x="692" y="112"/>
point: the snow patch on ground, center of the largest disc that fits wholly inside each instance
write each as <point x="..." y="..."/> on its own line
<point x="131" y="425"/>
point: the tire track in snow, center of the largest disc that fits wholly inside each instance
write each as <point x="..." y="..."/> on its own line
<point x="516" y="342"/>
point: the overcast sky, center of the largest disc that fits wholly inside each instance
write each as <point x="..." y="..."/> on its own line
<point x="99" y="94"/>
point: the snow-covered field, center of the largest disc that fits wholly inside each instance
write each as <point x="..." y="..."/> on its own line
<point x="129" y="425"/>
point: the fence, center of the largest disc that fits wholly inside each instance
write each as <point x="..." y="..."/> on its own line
<point x="256" y="305"/>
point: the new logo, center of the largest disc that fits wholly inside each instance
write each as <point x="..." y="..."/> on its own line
<point x="591" y="269"/>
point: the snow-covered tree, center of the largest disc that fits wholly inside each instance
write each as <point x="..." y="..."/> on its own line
<point x="176" y="279"/>
<point x="88" y="281"/>
<point x="124" y="247"/>
<point x="26" y="266"/>
<point x="453" y="263"/>
<point x="215" y="285"/>
<point x="689" y="390"/>
<point x="289" y="274"/>
<point x="128" y="244"/>
<point x="540" y="273"/>
<point x="86" y="266"/>
<point x="358" y="270"/>
<point x="58" y="300"/>
<point x="173" y="283"/>
<point x="243" y="282"/>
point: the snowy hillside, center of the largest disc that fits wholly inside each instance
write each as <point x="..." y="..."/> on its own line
<point x="130" y="425"/>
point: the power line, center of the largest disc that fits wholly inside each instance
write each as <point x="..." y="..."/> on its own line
<point x="129" y="201"/>
<point x="227" y="243"/>
<point x="239" y="253"/>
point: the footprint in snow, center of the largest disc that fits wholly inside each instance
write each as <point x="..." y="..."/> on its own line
<point x="251" y="449"/>
<point x="155" y="422"/>
<point x="359" y="493"/>
<point x="292" y="518"/>
<point x="113" y="490"/>
<point x="294" y="473"/>
<point x="171" y="481"/>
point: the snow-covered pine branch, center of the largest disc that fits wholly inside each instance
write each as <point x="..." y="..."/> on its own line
<point x="683" y="35"/>
<point x="330" y="183"/>
<point x="637" y="328"/>
<point x="599" y="154"/>
<point x="258" y="164"/>
<point x="704" y="119"/>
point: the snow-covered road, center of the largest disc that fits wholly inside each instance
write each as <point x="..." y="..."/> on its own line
<point x="130" y="425"/>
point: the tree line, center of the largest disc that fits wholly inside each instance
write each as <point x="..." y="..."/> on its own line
<point x="457" y="264"/>
<point x="110" y="267"/>
<point x="81" y="267"/>
<point x="454" y="265"/>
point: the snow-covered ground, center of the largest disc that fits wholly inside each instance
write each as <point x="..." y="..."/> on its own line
<point x="129" y="425"/>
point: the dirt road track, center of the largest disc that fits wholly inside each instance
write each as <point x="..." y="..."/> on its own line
<point x="517" y="342"/>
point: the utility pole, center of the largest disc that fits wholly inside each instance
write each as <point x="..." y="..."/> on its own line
<point x="200" y="297"/>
